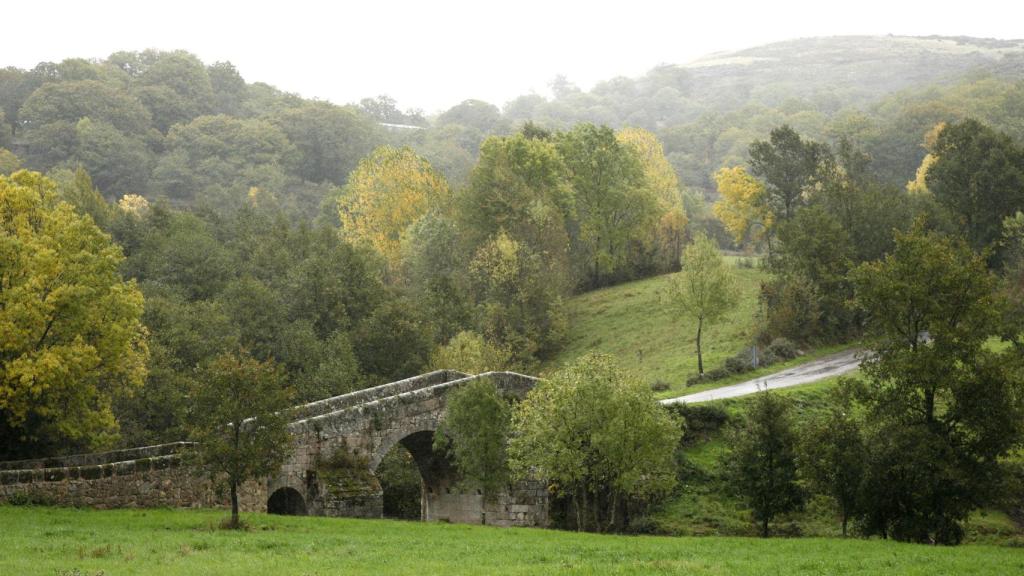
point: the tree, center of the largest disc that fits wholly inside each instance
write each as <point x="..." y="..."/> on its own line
<point x="390" y="190"/>
<point x="518" y="302"/>
<point x="596" y="434"/>
<point x="663" y="185"/>
<point x="614" y="209"/>
<point x="704" y="290"/>
<point x="71" y="340"/>
<point x="330" y="139"/>
<point x="475" y="429"/>
<point x="763" y="460"/>
<point x="469" y="352"/>
<point x="238" y="421"/>
<point x="743" y="209"/>
<point x="220" y="158"/>
<point x="978" y="174"/>
<point x="833" y="453"/>
<point x="790" y="168"/>
<point x="519" y="185"/>
<point x="931" y="307"/>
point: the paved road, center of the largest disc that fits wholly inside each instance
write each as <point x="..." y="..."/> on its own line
<point x="824" y="367"/>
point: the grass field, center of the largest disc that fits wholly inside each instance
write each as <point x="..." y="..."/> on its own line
<point x="56" y="541"/>
<point x="631" y="322"/>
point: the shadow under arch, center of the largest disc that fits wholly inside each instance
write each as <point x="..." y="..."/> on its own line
<point x="286" y="501"/>
<point x="436" y="473"/>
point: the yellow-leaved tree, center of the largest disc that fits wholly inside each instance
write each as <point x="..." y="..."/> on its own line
<point x="743" y="207"/>
<point x="663" y="184"/>
<point x="71" y="337"/>
<point x="390" y="190"/>
<point x="918" y="184"/>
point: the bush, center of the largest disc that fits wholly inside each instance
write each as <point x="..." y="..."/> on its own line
<point x="660" y="386"/>
<point x="738" y="364"/>
<point x="700" y="421"/>
<point x="783" y="349"/>
<point x="709" y="376"/>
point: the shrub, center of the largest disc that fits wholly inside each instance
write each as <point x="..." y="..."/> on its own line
<point x="699" y="420"/>
<point x="738" y="364"/>
<point x="783" y="349"/>
<point x="660" y="386"/>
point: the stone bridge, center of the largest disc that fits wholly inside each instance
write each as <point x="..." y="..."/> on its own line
<point x="337" y="445"/>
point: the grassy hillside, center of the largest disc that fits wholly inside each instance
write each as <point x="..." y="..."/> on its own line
<point x="631" y="322"/>
<point x="163" y="542"/>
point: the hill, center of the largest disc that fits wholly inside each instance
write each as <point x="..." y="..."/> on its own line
<point x="631" y="322"/>
<point x="844" y="70"/>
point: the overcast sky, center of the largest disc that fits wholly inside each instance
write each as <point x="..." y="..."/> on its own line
<point x="432" y="55"/>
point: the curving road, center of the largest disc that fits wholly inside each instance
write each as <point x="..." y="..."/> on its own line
<point x="813" y="371"/>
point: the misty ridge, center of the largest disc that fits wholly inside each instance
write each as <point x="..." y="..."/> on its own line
<point x="142" y="122"/>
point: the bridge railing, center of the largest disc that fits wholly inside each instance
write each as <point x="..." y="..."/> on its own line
<point x="95" y="459"/>
<point x="364" y="396"/>
<point x="510" y="383"/>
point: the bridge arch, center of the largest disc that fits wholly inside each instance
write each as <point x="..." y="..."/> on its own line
<point x="286" y="501"/>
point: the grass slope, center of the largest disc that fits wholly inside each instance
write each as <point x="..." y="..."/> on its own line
<point x="82" y="542"/>
<point x="631" y="322"/>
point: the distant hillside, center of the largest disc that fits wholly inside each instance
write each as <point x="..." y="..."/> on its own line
<point x="852" y="70"/>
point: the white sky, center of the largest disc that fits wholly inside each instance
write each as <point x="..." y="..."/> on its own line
<point x="434" y="54"/>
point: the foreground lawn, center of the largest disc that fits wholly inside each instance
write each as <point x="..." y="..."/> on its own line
<point x="65" y="541"/>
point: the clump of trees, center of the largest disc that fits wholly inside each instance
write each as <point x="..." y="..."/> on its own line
<point x="599" y="438"/>
<point x="922" y="441"/>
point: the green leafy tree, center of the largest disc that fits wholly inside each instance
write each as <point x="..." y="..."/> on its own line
<point x="330" y="139"/>
<point x="475" y="430"/>
<point x="834" y="454"/>
<point x="704" y="290"/>
<point x="519" y="185"/>
<point x="978" y="174"/>
<point x="469" y="352"/>
<point x="238" y="421"/>
<point x="220" y="159"/>
<point x="763" y="460"/>
<point x="598" y="437"/>
<point x="931" y="307"/>
<point x="614" y="207"/>
<point x="71" y="340"/>
<point x="519" y="306"/>
<point x="790" y="167"/>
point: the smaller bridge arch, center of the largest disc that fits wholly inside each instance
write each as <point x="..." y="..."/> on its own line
<point x="286" y="501"/>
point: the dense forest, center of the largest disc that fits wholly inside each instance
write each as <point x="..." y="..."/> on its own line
<point x="160" y="211"/>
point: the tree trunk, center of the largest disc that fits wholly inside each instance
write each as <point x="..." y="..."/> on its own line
<point x="764" y="527"/>
<point x="845" y="519"/>
<point x="700" y="358"/>
<point x="234" y="503"/>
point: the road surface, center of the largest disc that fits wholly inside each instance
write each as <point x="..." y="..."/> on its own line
<point x="813" y="371"/>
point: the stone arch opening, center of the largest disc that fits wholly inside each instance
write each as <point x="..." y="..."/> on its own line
<point x="286" y="501"/>
<point x="413" y="477"/>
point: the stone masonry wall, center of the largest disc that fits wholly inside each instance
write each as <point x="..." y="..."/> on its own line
<point x="148" y="482"/>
